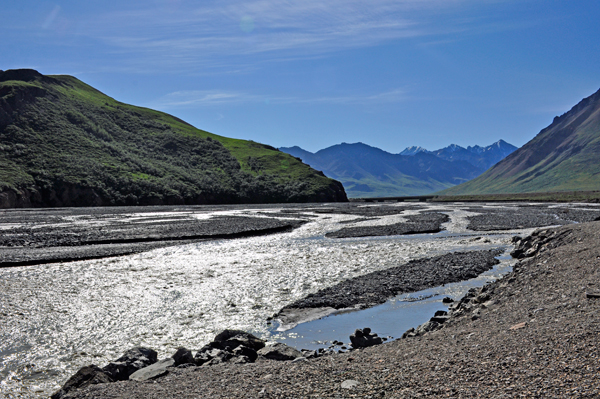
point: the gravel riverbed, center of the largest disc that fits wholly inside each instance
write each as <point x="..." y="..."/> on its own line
<point x="193" y="283"/>
<point x="536" y="336"/>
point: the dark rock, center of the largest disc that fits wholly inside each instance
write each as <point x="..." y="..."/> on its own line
<point x="206" y="354"/>
<point x="309" y="354"/>
<point x="87" y="375"/>
<point x="132" y="361"/>
<point x="441" y="313"/>
<point x="153" y="371"/>
<point x="409" y="333"/>
<point x="447" y="300"/>
<point x="231" y="339"/>
<point x="439" y="319"/>
<point x="246" y="352"/>
<point x="427" y="327"/>
<point x="364" y="338"/>
<point x="279" y="351"/>
<point x="219" y="356"/>
<point x="183" y="356"/>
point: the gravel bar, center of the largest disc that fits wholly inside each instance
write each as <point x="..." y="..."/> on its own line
<point x="61" y="235"/>
<point x="430" y="222"/>
<point x="527" y="217"/>
<point x="377" y="287"/>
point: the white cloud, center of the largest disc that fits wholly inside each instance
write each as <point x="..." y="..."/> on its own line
<point x="195" y="98"/>
<point x="223" y="33"/>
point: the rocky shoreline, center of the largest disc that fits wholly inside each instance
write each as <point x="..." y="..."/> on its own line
<point x="533" y="333"/>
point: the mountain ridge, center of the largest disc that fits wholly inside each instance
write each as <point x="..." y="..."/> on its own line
<point x="561" y="157"/>
<point x="367" y="171"/>
<point x="64" y="143"/>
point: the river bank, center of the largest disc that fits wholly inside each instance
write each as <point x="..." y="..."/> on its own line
<point x="535" y="335"/>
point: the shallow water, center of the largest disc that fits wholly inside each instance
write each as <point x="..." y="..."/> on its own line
<point x="57" y="318"/>
<point x="389" y="320"/>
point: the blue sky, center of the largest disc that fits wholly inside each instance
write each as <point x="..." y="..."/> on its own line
<point x="389" y="73"/>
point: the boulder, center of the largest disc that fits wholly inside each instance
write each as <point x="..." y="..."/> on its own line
<point x="153" y="371"/>
<point x="183" y="356"/>
<point x="231" y="339"/>
<point x="87" y="375"/>
<point x="131" y="361"/>
<point x="279" y="351"/>
<point x="242" y="350"/>
<point x="218" y="356"/>
<point x="427" y="327"/>
<point x="364" y="338"/>
<point x="206" y="354"/>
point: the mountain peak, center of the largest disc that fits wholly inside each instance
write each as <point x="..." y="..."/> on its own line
<point x="413" y="150"/>
<point x="25" y="75"/>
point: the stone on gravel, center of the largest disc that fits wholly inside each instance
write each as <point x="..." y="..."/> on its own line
<point x="183" y="356"/>
<point x="280" y="351"/>
<point x="364" y="338"/>
<point x="131" y="361"/>
<point x="349" y="384"/>
<point x="153" y="371"/>
<point x="519" y="326"/>
<point x="87" y="375"/>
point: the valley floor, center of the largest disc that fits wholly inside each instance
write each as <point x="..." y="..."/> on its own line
<point x="536" y="335"/>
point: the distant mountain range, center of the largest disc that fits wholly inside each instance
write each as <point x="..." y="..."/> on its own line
<point x="367" y="171"/>
<point x="565" y="156"/>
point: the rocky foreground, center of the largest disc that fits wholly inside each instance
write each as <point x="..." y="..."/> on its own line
<point x="534" y="333"/>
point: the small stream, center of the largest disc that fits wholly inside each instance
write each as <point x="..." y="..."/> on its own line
<point x="390" y="319"/>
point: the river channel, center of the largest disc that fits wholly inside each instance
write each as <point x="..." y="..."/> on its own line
<point x="56" y="318"/>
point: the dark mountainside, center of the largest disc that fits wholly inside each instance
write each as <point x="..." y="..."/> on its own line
<point x="565" y="156"/>
<point x="367" y="171"/>
<point x="64" y="143"/>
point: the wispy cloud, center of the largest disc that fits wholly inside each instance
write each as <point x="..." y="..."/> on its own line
<point x="195" y="98"/>
<point x="224" y="33"/>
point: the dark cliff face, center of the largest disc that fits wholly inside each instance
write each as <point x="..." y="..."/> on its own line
<point x="562" y="157"/>
<point x="63" y="143"/>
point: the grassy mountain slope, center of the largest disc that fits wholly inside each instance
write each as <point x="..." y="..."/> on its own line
<point x="565" y="156"/>
<point x="64" y="143"/>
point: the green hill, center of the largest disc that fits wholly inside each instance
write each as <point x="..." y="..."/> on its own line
<point x="64" y="143"/>
<point x="565" y="156"/>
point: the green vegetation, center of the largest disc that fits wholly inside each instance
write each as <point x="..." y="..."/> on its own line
<point x="63" y="142"/>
